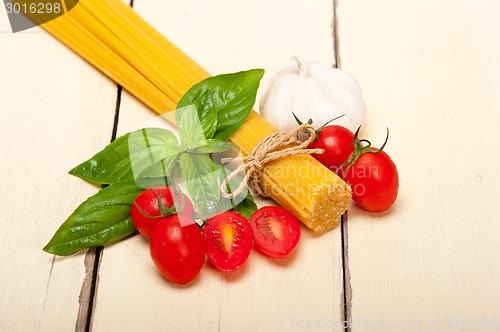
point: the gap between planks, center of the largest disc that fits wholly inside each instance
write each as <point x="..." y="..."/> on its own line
<point x="93" y="258"/>
<point x="346" y="301"/>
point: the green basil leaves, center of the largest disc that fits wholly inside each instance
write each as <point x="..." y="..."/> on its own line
<point x="101" y="219"/>
<point x="224" y="101"/>
<point x="134" y="152"/>
<point x="208" y="114"/>
<point x="202" y="181"/>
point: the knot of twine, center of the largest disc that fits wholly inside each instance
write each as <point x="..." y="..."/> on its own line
<point x="268" y="149"/>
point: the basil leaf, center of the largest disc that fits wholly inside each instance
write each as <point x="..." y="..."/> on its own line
<point x="247" y="207"/>
<point x="101" y="219"/>
<point x="243" y="202"/>
<point x="145" y="147"/>
<point x="190" y="128"/>
<point x="224" y="102"/>
<point x="213" y="146"/>
<point x="202" y="181"/>
<point x="201" y="96"/>
<point x="152" y="153"/>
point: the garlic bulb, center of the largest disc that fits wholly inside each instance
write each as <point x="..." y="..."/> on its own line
<point x="313" y="91"/>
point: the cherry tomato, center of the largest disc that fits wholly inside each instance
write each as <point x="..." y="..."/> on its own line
<point x="147" y="201"/>
<point x="374" y="181"/>
<point x="177" y="251"/>
<point x="228" y="240"/>
<point x="275" y="230"/>
<point x="337" y="143"/>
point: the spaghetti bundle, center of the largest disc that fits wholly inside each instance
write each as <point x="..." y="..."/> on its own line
<point x="118" y="42"/>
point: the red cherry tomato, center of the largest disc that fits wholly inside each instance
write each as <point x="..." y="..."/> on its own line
<point x="374" y="181"/>
<point x="275" y="230"/>
<point x="147" y="201"/>
<point x="228" y="240"/>
<point x="337" y="143"/>
<point x="177" y="251"/>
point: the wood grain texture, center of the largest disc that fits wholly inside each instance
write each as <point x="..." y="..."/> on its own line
<point x="266" y="294"/>
<point x="429" y="71"/>
<point x="56" y="111"/>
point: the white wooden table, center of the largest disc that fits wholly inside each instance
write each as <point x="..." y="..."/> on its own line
<point x="429" y="70"/>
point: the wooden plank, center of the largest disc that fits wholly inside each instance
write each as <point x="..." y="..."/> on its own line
<point x="56" y="111"/>
<point x="429" y="71"/>
<point x="265" y="294"/>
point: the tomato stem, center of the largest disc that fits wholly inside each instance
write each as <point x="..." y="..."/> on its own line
<point x="165" y="211"/>
<point x="145" y="213"/>
<point x="359" y="149"/>
<point x="317" y="131"/>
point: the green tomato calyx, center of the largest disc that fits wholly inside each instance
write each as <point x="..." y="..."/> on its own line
<point x="310" y="121"/>
<point x="165" y="211"/>
<point x="359" y="149"/>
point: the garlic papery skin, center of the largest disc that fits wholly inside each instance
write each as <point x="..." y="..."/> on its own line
<point x="313" y="91"/>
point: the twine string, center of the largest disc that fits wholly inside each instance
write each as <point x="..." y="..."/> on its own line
<point x="272" y="147"/>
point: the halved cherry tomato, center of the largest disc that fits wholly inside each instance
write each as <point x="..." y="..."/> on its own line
<point x="275" y="230"/>
<point x="177" y="251"/>
<point x="228" y="240"/>
<point x="146" y="209"/>
<point x="337" y="143"/>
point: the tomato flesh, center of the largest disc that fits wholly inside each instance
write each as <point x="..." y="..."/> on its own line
<point x="148" y="203"/>
<point x="374" y="181"/>
<point x="177" y="251"/>
<point x="276" y="232"/>
<point x="228" y="240"/>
